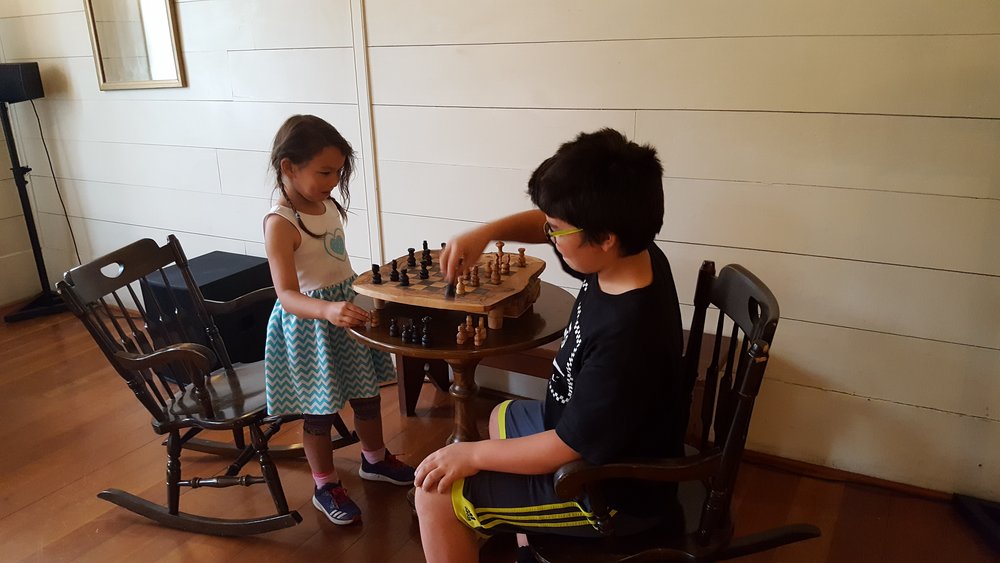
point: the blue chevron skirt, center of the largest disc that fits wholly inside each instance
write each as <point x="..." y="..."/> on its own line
<point x="314" y="367"/>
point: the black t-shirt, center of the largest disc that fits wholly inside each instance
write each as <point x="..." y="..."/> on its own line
<point x="616" y="389"/>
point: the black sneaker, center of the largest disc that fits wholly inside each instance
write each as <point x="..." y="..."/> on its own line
<point x="390" y="470"/>
<point x="331" y="499"/>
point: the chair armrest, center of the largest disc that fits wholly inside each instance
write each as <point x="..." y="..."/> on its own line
<point x="196" y="355"/>
<point x="247" y="299"/>
<point x="572" y="478"/>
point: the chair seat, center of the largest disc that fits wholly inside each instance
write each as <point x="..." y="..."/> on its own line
<point x="234" y="402"/>
<point x="672" y="532"/>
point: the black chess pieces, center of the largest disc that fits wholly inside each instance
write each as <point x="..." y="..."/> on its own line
<point x="449" y="290"/>
<point x="426" y="249"/>
<point x="411" y="258"/>
<point x="404" y="279"/>
<point x="394" y="274"/>
<point x="424" y="274"/>
<point x="425" y="339"/>
<point x="376" y="274"/>
<point x="393" y="327"/>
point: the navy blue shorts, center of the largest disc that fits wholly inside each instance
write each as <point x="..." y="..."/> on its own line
<point x="490" y="502"/>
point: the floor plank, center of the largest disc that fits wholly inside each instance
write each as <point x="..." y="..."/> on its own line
<point x="74" y="429"/>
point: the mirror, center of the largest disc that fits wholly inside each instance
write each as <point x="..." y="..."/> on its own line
<point x="135" y="44"/>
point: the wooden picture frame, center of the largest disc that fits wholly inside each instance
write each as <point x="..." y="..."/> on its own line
<point x="136" y="44"/>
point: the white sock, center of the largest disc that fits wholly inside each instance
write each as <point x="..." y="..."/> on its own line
<point x="374" y="456"/>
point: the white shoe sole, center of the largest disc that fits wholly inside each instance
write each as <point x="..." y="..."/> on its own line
<point x="379" y="477"/>
<point x="320" y="508"/>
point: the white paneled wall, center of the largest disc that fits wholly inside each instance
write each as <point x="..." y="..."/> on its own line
<point x="191" y="161"/>
<point x="846" y="152"/>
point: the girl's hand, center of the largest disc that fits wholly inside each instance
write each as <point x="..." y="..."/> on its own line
<point x="345" y="314"/>
<point x="463" y="249"/>
<point x="445" y="466"/>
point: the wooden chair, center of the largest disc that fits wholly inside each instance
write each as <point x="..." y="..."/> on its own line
<point x="706" y="476"/>
<point x="148" y="342"/>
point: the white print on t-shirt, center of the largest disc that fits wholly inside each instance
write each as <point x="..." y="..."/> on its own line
<point x="571" y="337"/>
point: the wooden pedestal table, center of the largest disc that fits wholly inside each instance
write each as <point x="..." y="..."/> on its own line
<point x="543" y="323"/>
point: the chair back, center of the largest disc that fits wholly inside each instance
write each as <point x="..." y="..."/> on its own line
<point x="747" y="316"/>
<point x="102" y="294"/>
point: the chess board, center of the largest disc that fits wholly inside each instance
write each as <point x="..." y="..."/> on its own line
<point x="510" y="298"/>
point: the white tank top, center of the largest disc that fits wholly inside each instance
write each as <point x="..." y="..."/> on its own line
<point x="319" y="262"/>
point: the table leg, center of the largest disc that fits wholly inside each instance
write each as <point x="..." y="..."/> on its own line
<point x="464" y="389"/>
<point x="410" y="374"/>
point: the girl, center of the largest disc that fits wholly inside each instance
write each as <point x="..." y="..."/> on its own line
<point x="311" y="365"/>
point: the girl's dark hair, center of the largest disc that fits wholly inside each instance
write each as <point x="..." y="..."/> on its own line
<point x="299" y="139"/>
<point x="603" y="183"/>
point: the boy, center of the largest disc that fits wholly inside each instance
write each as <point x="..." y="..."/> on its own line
<point x="616" y="388"/>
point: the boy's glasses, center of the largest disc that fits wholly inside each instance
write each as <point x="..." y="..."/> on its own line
<point x="553" y="235"/>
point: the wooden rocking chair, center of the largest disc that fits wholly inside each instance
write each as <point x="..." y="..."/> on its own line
<point x="707" y="475"/>
<point x="149" y="343"/>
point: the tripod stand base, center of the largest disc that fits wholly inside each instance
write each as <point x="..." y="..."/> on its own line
<point x="48" y="303"/>
<point x="983" y="515"/>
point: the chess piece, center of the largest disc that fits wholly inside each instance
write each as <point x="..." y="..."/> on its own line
<point x="475" y="276"/>
<point x="404" y="280"/>
<point x="505" y="267"/>
<point x="376" y="274"/>
<point x="482" y="327"/>
<point x="425" y="339"/>
<point x="460" y="287"/>
<point x="461" y="337"/>
<point x="426" y="249"/>
<point x="408" y="334"/>
<point x="468" y="324"/>
<point x="393" y="327"/>
<point x="411" y="259"/>
<point x="495" y="274"/>
<point x="424" y="274"/>
<point x="522" y="260"/>
<point x="500" y="248"/>
<point x="477" y="339"/>
<point x="394" y="274"/>
<point x="375" y="318"/>
<point x="489" y="271"/>
<point x="449" y="290"/>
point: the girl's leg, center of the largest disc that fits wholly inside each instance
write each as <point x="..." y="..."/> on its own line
<point x="376" y="463"/>
<point x="319" y="451"/>
<point x="368" y="422"/>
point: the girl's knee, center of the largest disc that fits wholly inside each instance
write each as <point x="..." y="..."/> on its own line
<point x="369" y="408"/>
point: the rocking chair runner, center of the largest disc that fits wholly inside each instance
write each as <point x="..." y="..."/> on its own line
<point x="148" y="344"/>
<point x="706" y="477"/>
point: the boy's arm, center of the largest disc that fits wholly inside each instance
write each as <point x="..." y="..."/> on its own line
<point x="529" y="455"/>
<point x="521" y="227"/>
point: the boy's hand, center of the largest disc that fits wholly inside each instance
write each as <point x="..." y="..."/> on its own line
<point x="345" y="314"/>
<point x="445" y="466"/>
<point x="465" y="248"/>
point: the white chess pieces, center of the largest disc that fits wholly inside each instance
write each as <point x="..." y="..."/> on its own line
<point x="475" y="276"/>
<point x="461" y="337"/>
<point x="500" y="248"/>
<point x="521" y="260"/>
<point x="374" y="318"/>
<point x="505" y="267"/>
<point x="469" y="328"/>
<point x="480" y="333"/>
<point x="460" y="287"/>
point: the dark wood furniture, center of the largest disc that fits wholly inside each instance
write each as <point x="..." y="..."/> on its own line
<point x="544" y="323"/>
<point x="149" y="343"/>
<point x="749" y="317"/>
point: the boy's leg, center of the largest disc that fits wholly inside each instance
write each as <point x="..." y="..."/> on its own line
<point x="444" y="537"/>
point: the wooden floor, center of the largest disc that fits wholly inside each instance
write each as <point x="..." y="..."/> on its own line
<point x="73" y="429"/>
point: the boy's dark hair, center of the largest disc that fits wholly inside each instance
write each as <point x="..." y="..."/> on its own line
<point x="299" y="139"/>
<point x="603" y="183"/>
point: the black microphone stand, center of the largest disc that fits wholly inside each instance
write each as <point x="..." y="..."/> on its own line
<point x="49" y="302"/>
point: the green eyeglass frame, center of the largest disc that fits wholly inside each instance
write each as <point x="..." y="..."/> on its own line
<point x="552" y="235"/>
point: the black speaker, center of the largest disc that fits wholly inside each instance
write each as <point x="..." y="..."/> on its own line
<point x="221" y="276"/>
<point x="20" y="82"/>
